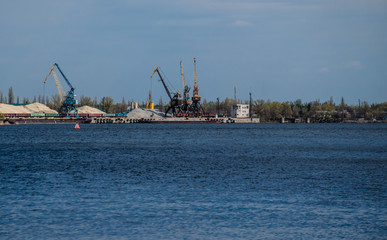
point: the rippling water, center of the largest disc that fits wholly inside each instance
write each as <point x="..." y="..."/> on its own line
<point x="203" y="181"/>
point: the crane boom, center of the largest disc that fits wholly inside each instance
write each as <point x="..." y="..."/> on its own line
<point x="57" y="83"/>
<point x="67" y="81"/>
<point x="162" y="80"/>
<point x="182" y="74"/>
<point x="195" y="81"/>
<point x="60" y="90"/>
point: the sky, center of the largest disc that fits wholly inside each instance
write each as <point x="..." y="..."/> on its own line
<point x="279" y="50"/>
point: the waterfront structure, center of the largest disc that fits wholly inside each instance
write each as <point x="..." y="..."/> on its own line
<point x="240" y="111"/>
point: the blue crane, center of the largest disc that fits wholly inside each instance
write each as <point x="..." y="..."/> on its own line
<point x="68" y="104"/>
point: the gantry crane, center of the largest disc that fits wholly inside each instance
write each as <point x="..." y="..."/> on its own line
<point x="196" y="107"/>
<point x="186" y="99"/>
<point x="175" y="102"/>
<point x="68" y="101"/>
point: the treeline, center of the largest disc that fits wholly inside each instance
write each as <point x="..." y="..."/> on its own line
<point x="267" y="111"/>
<point x="327" y="111"/>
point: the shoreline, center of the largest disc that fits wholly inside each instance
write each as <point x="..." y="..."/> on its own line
<point x="126" y="120"/>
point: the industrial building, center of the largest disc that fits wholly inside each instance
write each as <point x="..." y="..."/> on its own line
<point x="240" y="111"/>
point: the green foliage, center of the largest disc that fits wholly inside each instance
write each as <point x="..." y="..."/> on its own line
<point x="85" y="101"/>
<point x="268" y="111"/>
<point x="106" y="104"/>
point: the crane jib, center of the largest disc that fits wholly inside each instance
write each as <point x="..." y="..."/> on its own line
<point x="67" y="81"/>
<point x="165" y="86"/>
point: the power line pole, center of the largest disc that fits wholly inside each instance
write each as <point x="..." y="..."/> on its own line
<point x="250" y="106"/>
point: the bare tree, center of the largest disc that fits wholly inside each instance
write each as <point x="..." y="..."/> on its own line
<point x="11" y="96"/>
<point x="85" y="101"/>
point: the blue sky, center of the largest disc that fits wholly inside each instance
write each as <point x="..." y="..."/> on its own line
<point x="278" y="50"/>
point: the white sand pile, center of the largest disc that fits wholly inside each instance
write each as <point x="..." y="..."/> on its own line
<point x="39" y="108"/>
<point x="157" y="113"/>
<point x="6" y="108"/>
<point x="89" y="110"/>
<point x="140" y="113"/>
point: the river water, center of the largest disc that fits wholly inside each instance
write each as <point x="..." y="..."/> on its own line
<point x="193" y="181"/>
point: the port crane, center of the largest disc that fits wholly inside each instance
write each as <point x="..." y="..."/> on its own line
<point x="175" y="102"/>
<point x="68" y="101"/>
<point x="196" y="107"/>
<point x="186" y="99"/>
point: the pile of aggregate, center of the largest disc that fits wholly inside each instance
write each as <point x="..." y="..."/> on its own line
<point x="39" y="108"/>
<point x="26" y="109"/>
<point x="89" y="110"/>
<point x="7" y="108"/>
<point x="141" y="113"/>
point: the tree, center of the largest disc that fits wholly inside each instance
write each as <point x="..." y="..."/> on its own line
<point x="25" y="100"/>
<point x="161" y="104"/>
<point x="11" y="96"/>
<point x="275" y="110"/>
<point x="342" y="106"/>
<point x="123" y="105"/>
<point x="286" y="111"/>
<point x="107" y="104"/>
<point x="47" y="100"/>
<point x="56" y="102"/>
<point x="85" y="101"/>
<point x="95" y="102"/>
<point x="331" y="102"/>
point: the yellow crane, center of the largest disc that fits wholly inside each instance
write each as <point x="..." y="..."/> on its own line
<point x="196" y="107"/>
<point x="60" y="90"/>
<point x="186" y="99"/>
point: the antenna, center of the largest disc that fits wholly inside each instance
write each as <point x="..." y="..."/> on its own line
<point x="235" y="94"/>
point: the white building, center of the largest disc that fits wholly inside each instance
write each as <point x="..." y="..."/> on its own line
<point x="240" y="111"/>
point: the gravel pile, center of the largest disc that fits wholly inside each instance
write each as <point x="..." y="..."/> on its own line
<point x="30" y="108"/>
<point x="39" y="108"/>
<point x="89" y="110"/>
<point x="6" y="108"/>
<point x="140" y="113"/>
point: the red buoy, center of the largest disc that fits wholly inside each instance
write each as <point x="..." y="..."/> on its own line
<point x="77" y="126"/>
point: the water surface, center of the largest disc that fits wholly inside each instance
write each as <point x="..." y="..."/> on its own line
<point x="193" y="181"/>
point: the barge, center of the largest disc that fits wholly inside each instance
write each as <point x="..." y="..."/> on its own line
<point x="181" y="120"/>
<point x="64" y="120"/>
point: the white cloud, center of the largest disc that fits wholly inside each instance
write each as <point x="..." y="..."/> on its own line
<point x="241" y="23"/>
<point x="354" y="64"/>
<point x="245" y="5"/>
<point x="187" y="22"/>
<point x="324" y="70"/>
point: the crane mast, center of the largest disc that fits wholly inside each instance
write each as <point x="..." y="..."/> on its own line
<point x="182" y="75"/>
<point x="195" y="82"/>
<point x="186" y="99"/>
<point x="196" y="108"/>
